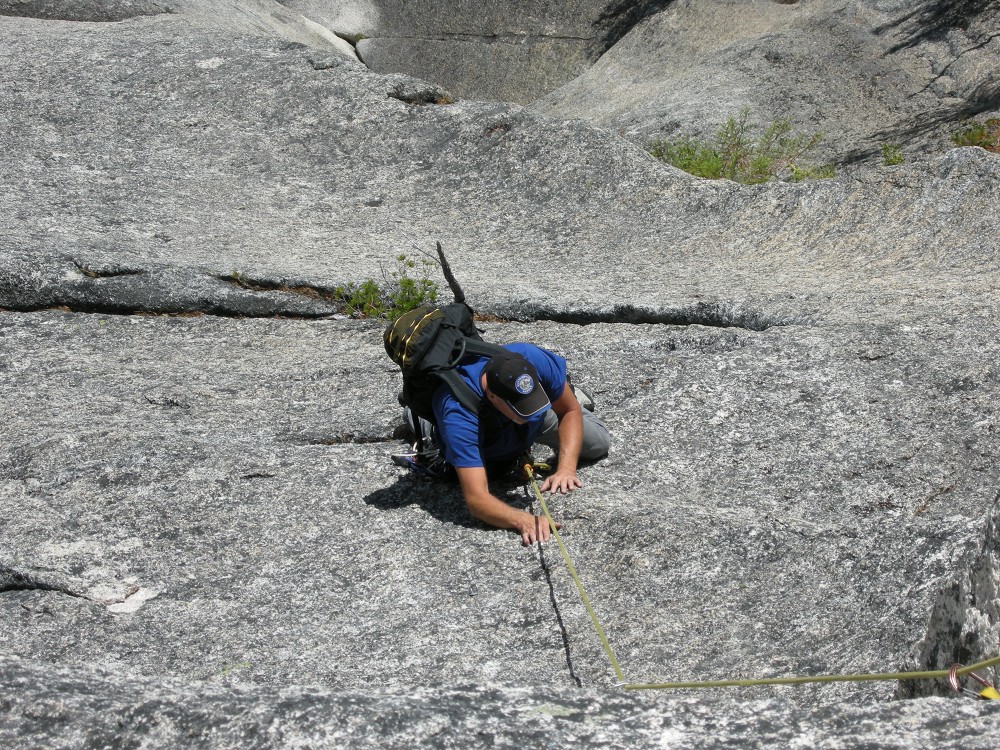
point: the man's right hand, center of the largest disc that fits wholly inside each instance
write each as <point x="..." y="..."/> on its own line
<point x="535" y="529"/>
<point x="496" y="512"/>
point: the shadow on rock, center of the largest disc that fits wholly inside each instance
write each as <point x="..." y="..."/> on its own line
<point x="442" y="498"/>
<point x="984" y="98"/>
<point x="933" y="19"/>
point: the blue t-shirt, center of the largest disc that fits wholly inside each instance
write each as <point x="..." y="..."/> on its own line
<point x="470" y="441"/>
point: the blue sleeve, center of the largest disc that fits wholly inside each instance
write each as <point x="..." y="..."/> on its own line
<point x="459" y="431"/>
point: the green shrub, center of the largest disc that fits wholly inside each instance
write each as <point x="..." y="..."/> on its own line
<point x="737" y="154"/>
<point x="891" y="154"/>
<point x="983" y="134"/>
<point x="799" y="173"/>
<point x="399" y="292"/>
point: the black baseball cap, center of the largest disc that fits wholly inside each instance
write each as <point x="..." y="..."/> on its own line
<point x="514" y="379"/>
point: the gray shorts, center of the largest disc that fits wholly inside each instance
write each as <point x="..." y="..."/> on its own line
<point x="596" y="438"/>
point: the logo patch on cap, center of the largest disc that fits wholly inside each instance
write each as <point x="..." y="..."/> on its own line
<point x="525" y="384"/>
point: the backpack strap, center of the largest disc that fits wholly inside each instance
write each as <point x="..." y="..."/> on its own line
<point x="483" y="348"/>
<point x="462" y="392"/>
<point x="458" y="387"/>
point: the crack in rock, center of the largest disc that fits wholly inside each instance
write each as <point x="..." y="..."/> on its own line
<point x="130" y="601"/>
<point x="718" y="315"/>
<point x="83" y="10"/>
<point x="501" y="38"/>
<point x="964" y="625"/>
<point x="412" y="91"/>
<point x="348" y="438"/>
<point x="251" y="284"/>
<point x="120" y="290"/>
<point x="563" y="632"/>
<point x="106" y="273"/>
<point x="166" y="401"/>
<point x="15" y="580"/>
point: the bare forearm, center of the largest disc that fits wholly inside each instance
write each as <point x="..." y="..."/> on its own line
<point x="495" y="512"/>
<point x="567" y="409"/>
<point x="483" y="504"/>
<point x="570" y="439"/>
<point x="489" y="509"/>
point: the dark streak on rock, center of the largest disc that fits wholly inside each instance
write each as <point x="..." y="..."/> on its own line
<point x="559" y="620"/>
<point x="503" y="38"/>
<point x="715" y="315"/>
<point x="621" y="18"/>
<point x="14" y="580"/>
<point x="105" y="273"/>
<point x="168" y="402"/>
<point x="350" y="438"/>
<point x="243" y="281"/>
<point x="335" y="61"/>
<point x="420" y="94"/>
<point x="933" y="19"/>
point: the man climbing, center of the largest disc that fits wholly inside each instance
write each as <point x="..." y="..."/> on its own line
<point x="483" y="406"/>
<point x="526" y="399"/>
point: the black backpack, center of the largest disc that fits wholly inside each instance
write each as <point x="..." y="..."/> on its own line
<point x="429" y="342"/>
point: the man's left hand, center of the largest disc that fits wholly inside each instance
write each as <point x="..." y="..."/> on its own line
<point x="561" y="482"/>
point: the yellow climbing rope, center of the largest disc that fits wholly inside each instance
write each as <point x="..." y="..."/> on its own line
<point x="928" y="675"/>
<point x="529" y="470"/>
<point x="988" y="693"/>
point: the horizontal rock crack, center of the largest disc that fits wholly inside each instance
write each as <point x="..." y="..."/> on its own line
<point x="719" y="315"/>
<point x="106" y="273"/>
<point x="350" y="438"/>
<point x="14" y="580"/>
<point x="500" y="38"/>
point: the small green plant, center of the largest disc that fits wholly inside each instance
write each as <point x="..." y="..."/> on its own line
<point x="401" y="290"/>
<point x="807" y="172"/>
<point x="983" y="134"/>
<point x="407" y="292"/>
<point x="240" y="279"/>
<point x="891" y="154"/>
<point x="737" y="154"/>
<point x="364" y="300"/>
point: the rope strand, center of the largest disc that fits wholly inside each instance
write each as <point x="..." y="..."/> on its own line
<point x="529" y="470"/>
<point x="698" y="684"/>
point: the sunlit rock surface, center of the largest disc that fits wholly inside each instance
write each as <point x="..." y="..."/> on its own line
<point x="201" y="533"/>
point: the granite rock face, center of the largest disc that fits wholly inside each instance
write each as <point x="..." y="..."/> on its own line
<point x="862" y="73"/>
<point x="201" y="533"/>
<point x="169" y="714"/>
<point x="513" y="51"/>
<point x="254" y="17"/>
<point x="83" y="10"/>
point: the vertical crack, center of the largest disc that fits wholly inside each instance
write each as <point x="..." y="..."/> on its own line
<point x="555" y="607"/>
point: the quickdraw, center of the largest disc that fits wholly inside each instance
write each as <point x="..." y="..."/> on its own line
<point x="988" y="693"/>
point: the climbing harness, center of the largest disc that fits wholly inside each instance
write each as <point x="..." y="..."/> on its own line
<point x="989" y="692"/>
